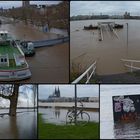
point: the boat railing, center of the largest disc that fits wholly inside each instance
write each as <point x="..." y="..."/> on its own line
<point x="129" y="63"/>
<point x="7" y="57"/>
<point x="18" y="47"/>
<point x="88" y="73"/>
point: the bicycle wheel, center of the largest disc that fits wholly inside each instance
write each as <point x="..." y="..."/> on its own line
<point x="69" y="118"/>
<point x="83" y="118"/>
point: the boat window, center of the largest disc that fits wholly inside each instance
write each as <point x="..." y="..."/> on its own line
<point x="5" y="60"/>
<point x="1" y="59"/>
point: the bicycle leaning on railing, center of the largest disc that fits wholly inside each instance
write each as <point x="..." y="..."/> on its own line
<point x="82" y="117"/>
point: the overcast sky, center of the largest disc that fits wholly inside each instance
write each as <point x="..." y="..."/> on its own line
<point x="88" y="90"/>
<point x="68" y="90"/>
<point x="104" y="7"/>
<point x="10" y="4"/>
<point x="25" y="98"/>
<point x="115" y="90"/>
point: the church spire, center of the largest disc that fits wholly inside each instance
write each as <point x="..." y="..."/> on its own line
<point x="58" y="92"/>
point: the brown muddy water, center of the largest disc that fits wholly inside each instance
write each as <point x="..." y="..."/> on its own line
<point x="23" y="126"/>
<point x="50" y="64"/>
<point x="86" y="47"/>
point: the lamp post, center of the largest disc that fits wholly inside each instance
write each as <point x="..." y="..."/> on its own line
<point x="127" y="41"/>
<point x="75" y="104"/>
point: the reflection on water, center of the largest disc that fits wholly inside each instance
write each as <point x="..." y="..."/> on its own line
<point x="58" y="116"/>
<point x="127" y="130"/>
<point x="23" y="126"/>
<point x="86" y="47"/>
<point x="57" y="113"/>
<point x="59" y="31"/>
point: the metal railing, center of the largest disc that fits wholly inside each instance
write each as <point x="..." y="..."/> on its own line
<point x="88" y="73"/>
<point x="131" y="65"/>
<point x="50" y="42"/>
<point x="111" y="27"/>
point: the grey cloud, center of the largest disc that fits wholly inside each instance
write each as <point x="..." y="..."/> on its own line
<point x="69" y="90"/>
<point x="87" y="90"/>
<point x="10" y="4"/>
<point x="46" y="90"/>
<point x="106" y="7"/>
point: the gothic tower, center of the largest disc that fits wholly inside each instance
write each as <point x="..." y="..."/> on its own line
<point x="56" y="92"/>
<point x="25" y="3"/>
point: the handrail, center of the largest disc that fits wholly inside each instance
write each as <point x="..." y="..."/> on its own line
<point x="18" y="47"/>
<point x="130" y="60"/>
<point x="86" y="73"/>
<point x="50" y="42"/>
<point x="131" y="64"/>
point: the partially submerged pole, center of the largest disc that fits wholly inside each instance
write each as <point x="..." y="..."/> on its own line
<point x="75" y="118"/>
<point x="100" y="32"/>
<point x="127" y="42"/>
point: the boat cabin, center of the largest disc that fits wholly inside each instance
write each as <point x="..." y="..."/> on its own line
<point x="13" y="65"/>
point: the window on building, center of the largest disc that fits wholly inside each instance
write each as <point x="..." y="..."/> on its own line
<point x="1" y="59"/>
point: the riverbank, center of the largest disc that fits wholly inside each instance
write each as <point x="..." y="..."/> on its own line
<point x="69" y="104"/>
<point x="89" y="131"/>
<point x="23" y="31"/>
<point x="127" y="77"/>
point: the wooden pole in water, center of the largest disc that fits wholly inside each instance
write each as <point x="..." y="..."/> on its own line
<point x="75" y="105"/>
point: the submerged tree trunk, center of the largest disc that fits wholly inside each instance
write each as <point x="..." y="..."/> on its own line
<point x="13" y="100"/>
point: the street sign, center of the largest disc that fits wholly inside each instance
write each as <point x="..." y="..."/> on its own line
<point x="126" y="108"/>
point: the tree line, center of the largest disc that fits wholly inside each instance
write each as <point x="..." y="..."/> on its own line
<point x="56" y="16"/>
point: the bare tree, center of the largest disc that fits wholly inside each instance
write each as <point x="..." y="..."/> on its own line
<point x="58" y="15"/>
<point x="10" y="92"/>
<point x="63" y="14"/>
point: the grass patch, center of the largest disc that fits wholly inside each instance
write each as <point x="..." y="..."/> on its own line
<point x="135" y="73"/>
<point x="52" y="131"/>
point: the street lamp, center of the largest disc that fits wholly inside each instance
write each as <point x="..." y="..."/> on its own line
<point x="127" y="40"/>
<point x="75" y="105"/>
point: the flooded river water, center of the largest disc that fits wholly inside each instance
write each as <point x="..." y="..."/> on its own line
<point x="58" y="116"/>
<point x="86" y="47"/>
<point x="50" y="64"/>
<point x="23" y="126"/>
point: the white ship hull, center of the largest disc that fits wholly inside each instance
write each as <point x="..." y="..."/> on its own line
<point x="13" y="75"/>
